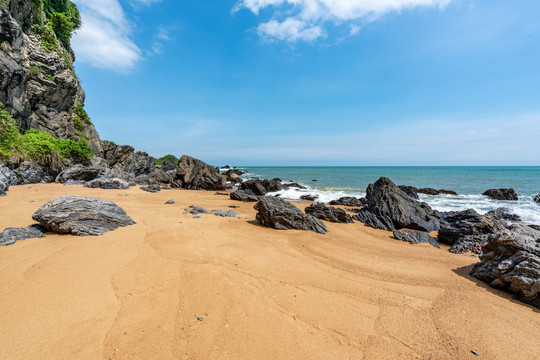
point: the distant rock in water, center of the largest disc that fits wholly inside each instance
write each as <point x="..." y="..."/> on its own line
<point x="11" y="235"/>
<point x="328" y="213"/>
<point x="309" y="197"/>
<point x="282" y="215"/>
<point x="195" y="174"/>
<point x="244" y="195"/>
<point x="81" y="216"/>
<point x="349" y="201"/>
<point x="503" y="213"/>
<point x="411" y="191"/>
<point x="537" y="199"/>
<point x="416" y="237"/>
<point x="107" y="183"/>
<point x="501" y="194"/>
<point x="431" y="191"/>
<point x="511" y="262"/>
<point x="467" y="230"/>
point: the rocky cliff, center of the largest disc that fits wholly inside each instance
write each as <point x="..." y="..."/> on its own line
<point x="38" y="84"/>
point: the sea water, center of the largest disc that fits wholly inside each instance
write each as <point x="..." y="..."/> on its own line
<point x="469" y="182"/>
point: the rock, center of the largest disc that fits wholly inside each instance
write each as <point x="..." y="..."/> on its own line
<point x="292" y="185"/>
<point x="282" y="215"/>
<point x="501" y="194"/>
<point x="411" y="191"/>
<point x="391" y="205"/>
<point x="503" y="213"/>
<point x="244" y="195"/>
<point x="156" y="177"/>
<point x="195" y="174"/>
<point x="447" y="192"/>
<point x="537" y="199"/>
<point x="511" y="262"/>
<point x="194" y="210"/>
<point x="328" y="213"/>
<point x="467" y="230"/>
<point x="169" y="202"/>
<point x="123" y="159"/>
<point x="369" y="219"/>
<point x="255" y="186"/>
<point x="221" y="193"/>
<point x="151" y="188"/>
<point x="475" y="352"/>
<point x="81" y="173"/>
<point x="224" y="213"/>
<point x="416" y="237"/>
<point x="31" y="173"/>
<point x="107" y="183"/>
<point x="309" y="197"/>
<point x="428" y="191"/>
<point x="7" y="178"/>
<point x="81" y="215"/>
<point x="71" y="182"/>
<point x="349" y="201"/>
<point x="535" y="227"/>
<point x="10" y="235"/>
<point x="2" y="192"/>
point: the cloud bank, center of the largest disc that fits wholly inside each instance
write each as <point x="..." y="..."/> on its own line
<point x="304" y="20"/>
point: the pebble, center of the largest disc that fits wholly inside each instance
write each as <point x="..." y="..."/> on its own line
<point x="475" y="352"/>
<point x="170" y="202"/>
<point x="200" y="318"/>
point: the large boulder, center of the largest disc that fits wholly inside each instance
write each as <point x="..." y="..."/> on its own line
<point x="11" y="235"/>
<point x="255" y="186"/>
<point x="107" y="183"/>
<point x="7" y="178"/>
<point x="416" y="237"/>
<point x="124" y="159"/>
<point x="80" y="172"/>
<point x="391" y="205"/>
<point x="31" y="173"/>
<point x="349" y="201"/>
<point x="370" y="219"/>
<point x="467" y="230"/>
<point x="501" y="194"/>
<point x="328" y="213"/>
<point x="411" y="191"/>
<point x="282" y="215"/>
<point x="244" y="195"/>
<point x="195" y="174"/>
<point x="503" y="213"/>
<point x="81" y="216"/>
<point x="511" y="261"/>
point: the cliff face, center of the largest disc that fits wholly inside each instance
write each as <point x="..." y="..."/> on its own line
<point x="38" y="84"/>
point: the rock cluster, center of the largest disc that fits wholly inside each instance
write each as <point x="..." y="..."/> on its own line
<point x="349" y="201"/>
<point x="501" y="194"/>
<point x="244" y="195"/>
<point x="195" y="174"/>
<point x="328" y="213"/>
<point x="503" y="213"/>
<point x="11" y="235"/>
<point x="415" y="237"/>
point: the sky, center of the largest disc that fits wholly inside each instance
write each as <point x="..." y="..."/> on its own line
<point x="316" y="82"/>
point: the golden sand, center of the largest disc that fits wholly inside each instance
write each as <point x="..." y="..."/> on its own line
<point x="136" y="292"/>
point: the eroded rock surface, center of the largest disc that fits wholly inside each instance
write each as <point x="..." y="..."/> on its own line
<point x="416" y="237"/>
<point x="195" y="174"/>
<point x="328" y="213"/>
<point x="501" y="194"/>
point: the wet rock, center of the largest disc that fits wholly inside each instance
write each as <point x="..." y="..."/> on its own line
<point x="151" y="188"/>
<point x="107" y="183"/>
<point x="411" y="191"/>
<point x="503" y="213"/>
<point x="511" y="262"/>
<point x="328" y="213"/>
<point x="195" y="174"/>
<point x="447" y="192"/>
<point x="416" y="237"/>
<point x="194" y="210"/>
<point x="244" y="195"/>
<point x="11" y="235"/>
<point x="431" y="191"/>
<point x="293" y="185"/>
<point x="501" y="194"/>
<point x="224" y="213"/>
<point x="282" y="215"/>
<point x="81" y="216"/>
<point x="467" y="230"/>
<point x="309" y="197"/>
<point x="349" y="201"/>
<point x="80" y="173"/>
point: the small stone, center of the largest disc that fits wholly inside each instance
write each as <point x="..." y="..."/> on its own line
<point x="475" y="352"/>
<point x="197" y="217"/>
<point x="200" y="318"/>
<point x="170" y="202"/>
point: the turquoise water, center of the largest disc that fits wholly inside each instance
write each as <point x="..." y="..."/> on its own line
<point x="468" y="182"/>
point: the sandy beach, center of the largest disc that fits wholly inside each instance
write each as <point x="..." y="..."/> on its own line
<point x="137" y="292"/>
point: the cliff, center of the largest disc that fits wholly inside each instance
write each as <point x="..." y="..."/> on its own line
<point x="38" y="84"/>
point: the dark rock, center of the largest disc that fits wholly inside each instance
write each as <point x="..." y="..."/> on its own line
<point x="468" y="231"/>
<point x="314" y="180"/>
<point x="81" y="215"/>
<point x="234" y="206"/>
<point x="151" y="188"/>
<point x="535" y="227"/>
<point x="7" y="178"/>
<point x="411" y="191"/>
<point x="31" y="173"/>
<point x="156" y="177"/>
<point x="501" y="194"/>
<point x="2" y="192"/>
<point x="277" y="179"/>
<point x="168" y="167"/>
<point x="282" y="215"/>
<point x="349" y="201"/>
<point x="195" y="174"/>
<point x="74" y="182"/>
<point x="80" y="173"/>
<point x="428" y="191"/>
<point x="244" y="195"/>
<point x="194" y="210"/>
<point x="415" y="237"/>
<point x="10" y="235"/>
<point x="200" y="318"/>
<point x="389" y="204"/>
<point x="328" y="213"/>
<point x="503" y="213"/>
<point x="220" y="193"/>
<point x="447" y="192"/>
<point x="256" y="186"/>
<point x="475" y="352"/>
<point x="309" y="197"/>
<point x="224" y="213"/>
<point x="168" y="202"/>
<point x="272" y="185"/>
<point x="536" y="198"/>
<point x="292" y="185"/>
<point x="124" y="159"/>
<point x="511" y="261"/>
<point x="369" y="219"/>
<point x="107" y="183"/>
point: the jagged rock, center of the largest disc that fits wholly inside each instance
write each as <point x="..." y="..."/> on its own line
<point x="107" y="183"/>
<point x="170" y="202"/>
<point x="537" y="199"/>
<point x="391" y="205"/>
<point x="11" y="235"/>
<point x="349" y="201"/>
<point x="2" y="191"/>
<point x="195" y="174"/>
<point x="151" y="188"/>
<point x="411" y="191"/>
<point x="31" y="173"/>
<point x="81" y="216"/>
<point x="328" y="213"/>
<point x="194" y="210"/>
<point x="74" y="182"/>
<point x="416" y="237"/>
<point x="467" y="230"/>
<point x="282" y="215"/>
<point x="157" y="176"/>
<point x="7" y="178"/>
<point x="169" y="167"/>
<point x="256" y="186"/>
<point x="244" y="195"/>
<point x="80" y="172"/>
<point x="291" y="185"/>
<point x="511" y="261"/>
<point x="309" y="197"/>
<point x="503" y="213"/>
<point x="369" y="219"/>
<point x="535" y="227"/>
<point x="124" y="159"/>
<point x="501" y="194"/>
<point x="224" y="213"/>
<point x="431" y="191"/>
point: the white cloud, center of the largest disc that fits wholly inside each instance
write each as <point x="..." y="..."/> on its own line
<point x="104" y="39"/>
<point x="295" y="20"/>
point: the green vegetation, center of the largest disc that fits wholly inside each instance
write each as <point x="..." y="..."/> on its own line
<point x="62" y="18"/>
<point x="167" y="158"/>
<point x="34" y="69"/>
<point x="81" y="117"/>
<point x="37" y="145"/>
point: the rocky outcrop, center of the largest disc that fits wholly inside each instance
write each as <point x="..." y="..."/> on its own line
<point x="195" y="174"/>
<point x="309" y="197"/>
<point x="349" y="201"/>
<point x="81" y="216"/>
<point x="411" y="191"/>
<point x="282" y="215"/>
<point x="416" y="237"/>
<point x="537" y="199"/>
<point x="38" y="85"/>
<point x="467" y="230"/>
<point x="431" y="191"/>
<point x="255" y="186"/>
<point x="501" y="194"/>
<point x="80" y="172"/>
<point x="31" y="173"/>
<point x="328" y="213"/>
<point x="244" y="195"/>
<point x="11" y="235"/>
<point x="7" y="178"/>
<point x="107" y="183"/>
<point x="125" y="163"/>
<point x="370" y="219"/>
<point x="511" y="261"/>
<point x="503" y="213"/>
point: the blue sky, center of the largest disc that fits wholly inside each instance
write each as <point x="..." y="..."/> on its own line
<point x="316" y="82"/>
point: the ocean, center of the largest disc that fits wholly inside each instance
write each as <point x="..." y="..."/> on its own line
<point x="469" y="182"/>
